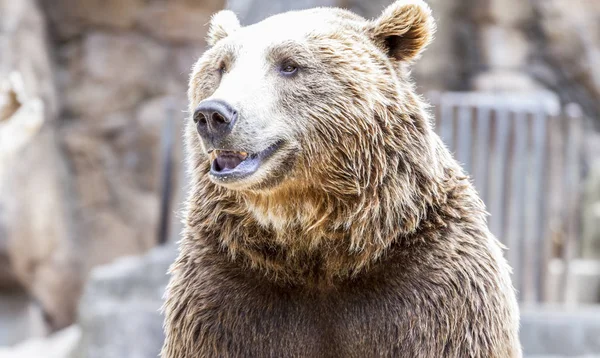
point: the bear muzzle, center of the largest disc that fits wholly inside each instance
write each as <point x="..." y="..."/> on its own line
<point x="214" y="120"/>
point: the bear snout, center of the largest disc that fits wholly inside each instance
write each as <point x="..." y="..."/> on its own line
<point x="214" y="120"/>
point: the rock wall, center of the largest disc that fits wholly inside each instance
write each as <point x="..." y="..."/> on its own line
<point x="119" y="63"/>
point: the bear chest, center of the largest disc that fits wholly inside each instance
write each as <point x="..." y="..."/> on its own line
<point x="246" y="318"/>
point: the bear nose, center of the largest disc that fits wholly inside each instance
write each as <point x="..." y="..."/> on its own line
<point x="214" y="119"/>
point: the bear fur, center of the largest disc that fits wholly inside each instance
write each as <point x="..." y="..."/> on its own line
<point x="361" y="236"/>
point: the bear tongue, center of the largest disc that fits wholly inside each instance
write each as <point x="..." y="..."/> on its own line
<point x="228" y="161"/>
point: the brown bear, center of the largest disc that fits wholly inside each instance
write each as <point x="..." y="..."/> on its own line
<point x="325" y="217"/>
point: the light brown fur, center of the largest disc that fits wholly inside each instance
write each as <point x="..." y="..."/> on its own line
<point x="364" y="239"/>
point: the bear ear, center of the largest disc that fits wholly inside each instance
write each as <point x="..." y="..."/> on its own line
<point x="404" y="29"/>
<point x="222" y="24"/>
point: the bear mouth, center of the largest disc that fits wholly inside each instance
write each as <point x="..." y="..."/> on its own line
<point x="230" y="165"/>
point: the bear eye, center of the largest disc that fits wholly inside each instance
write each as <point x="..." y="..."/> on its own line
<point x="288" y="69"/>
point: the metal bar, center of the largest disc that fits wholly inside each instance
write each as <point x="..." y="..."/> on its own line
<point x="572" y="173"/>
<point x="482" y="158"/>
<point x="516" y="201"/>
<point x="554" y="220"/>
<point x="537" y="235"/>
<point x="497" y="193"/>
<point x="526" y="196"/>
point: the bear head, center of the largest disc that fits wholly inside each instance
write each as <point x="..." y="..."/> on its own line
<point x="309" y="121"/>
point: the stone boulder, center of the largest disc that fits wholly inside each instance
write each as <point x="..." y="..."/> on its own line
<point x="62" y="344"/>
<point x="119" y="311"/>
<point x="20" y="317"/>
<point x="554" y="331"/>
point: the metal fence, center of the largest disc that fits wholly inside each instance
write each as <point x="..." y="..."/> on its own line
<point x="524" y="155"/>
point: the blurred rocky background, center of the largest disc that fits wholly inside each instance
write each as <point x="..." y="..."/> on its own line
<point x="85" y="92"/>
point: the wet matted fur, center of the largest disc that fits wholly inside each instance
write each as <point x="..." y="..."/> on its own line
<point x="362" y="237"/>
